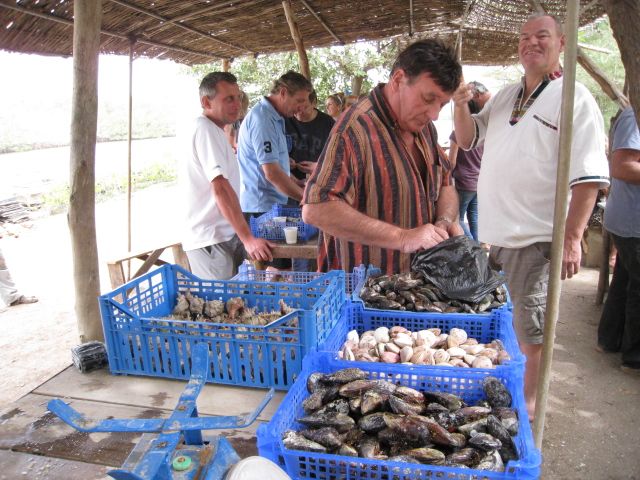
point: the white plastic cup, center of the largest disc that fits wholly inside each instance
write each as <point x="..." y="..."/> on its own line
<point x="291" y="234"/>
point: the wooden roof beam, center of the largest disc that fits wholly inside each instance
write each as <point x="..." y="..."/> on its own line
<point x="64" y="21"/>
<point x="322" y="22"/>
<point x="411" y="26"/>
<point x="177" y="23"/>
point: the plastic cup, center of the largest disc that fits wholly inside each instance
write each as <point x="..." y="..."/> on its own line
<point x="291" y="234"/>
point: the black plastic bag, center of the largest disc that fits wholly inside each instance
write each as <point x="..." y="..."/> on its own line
<point x="459" y="268"/>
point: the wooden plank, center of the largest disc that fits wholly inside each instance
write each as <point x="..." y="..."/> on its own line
<point x="155" y="393"/>
<point x="116" y="274"/>
<point x="28" y="427"/>
<point x="24" y="465"/>
<point x="180" y="256"/>
<point x="149" y="261"/>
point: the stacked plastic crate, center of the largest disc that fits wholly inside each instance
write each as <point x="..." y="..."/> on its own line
<point x="465" y="382"/>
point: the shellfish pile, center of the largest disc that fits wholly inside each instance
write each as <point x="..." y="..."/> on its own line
<point x="234" y="311"/>
<point x="348" y="414"/>
<point x="425" y="347"/>
<point x="409" y="291"/>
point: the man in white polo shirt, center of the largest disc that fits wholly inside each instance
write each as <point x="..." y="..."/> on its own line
<point x="217" y="235"/>
<point x="516" y="187"/>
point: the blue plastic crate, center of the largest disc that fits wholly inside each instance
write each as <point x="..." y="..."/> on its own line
<point x="484" y="328"/>
<point x="466" y="383"/>
<point x="265" y="226"/>
<point x="246" y="272"/>
<point x="140" y="342"/>
<point x="371" y="270"/>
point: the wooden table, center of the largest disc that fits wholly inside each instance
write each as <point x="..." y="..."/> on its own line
<point x="308" y="249"/>
<point x="149" y="258"/>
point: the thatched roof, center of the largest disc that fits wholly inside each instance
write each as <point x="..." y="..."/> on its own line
<point x="201" y="31"/>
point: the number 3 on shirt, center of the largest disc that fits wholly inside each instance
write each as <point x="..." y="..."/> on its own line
<point x="267" y="147"/>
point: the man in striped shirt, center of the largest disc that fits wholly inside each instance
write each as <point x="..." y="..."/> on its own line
<point x="382" y="188"/>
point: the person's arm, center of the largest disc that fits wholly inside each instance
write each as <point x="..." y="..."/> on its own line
<point x="447" y="211"/>
<point x="339" y="219"/>
<point x="283" y="182"/>
<point x="453" y="154"/>
<point x="464" y="125"/>
<point x="227" y="201"/>
<point x="583" y="198"/>
<point x="625" y="165"/>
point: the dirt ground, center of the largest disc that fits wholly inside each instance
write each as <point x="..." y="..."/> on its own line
<point x="593" y="419"/>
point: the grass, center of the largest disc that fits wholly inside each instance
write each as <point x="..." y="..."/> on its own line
<point x="56" y="200"/>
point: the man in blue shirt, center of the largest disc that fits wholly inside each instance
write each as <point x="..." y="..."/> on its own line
<point x="263" y="150"/>
<point x="619" y="329"/>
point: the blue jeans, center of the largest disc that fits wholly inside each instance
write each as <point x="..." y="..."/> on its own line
<point x="469" y="205"/>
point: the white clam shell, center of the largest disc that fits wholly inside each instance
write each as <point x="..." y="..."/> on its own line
<point x="405" y="354"/>
<point x="441" y="356"/>
<point x="482" y="362"/>
<point x="392" y="347"/>
<point x="456" y="352"/>
<point x="390" y="357"/>
<point x="469" y="359"/>
<point x="425" y="337"/>
<point x="353" y="336"/>
<point x="403" y="340"/>
<point x="382" y="335"/>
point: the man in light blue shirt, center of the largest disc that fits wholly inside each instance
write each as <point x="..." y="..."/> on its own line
<point x="263" y="150"/>
<point x="619" y="329"/>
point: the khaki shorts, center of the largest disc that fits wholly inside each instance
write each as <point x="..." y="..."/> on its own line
<point x="219" y="261"/>
<point x="527" y="272"/>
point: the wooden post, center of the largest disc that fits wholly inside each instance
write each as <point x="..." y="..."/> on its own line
<point x="624" y="16"/>
<point x="132" y="42"/>
<point x="297" y="38"/>
<point x="84" y="119"/>
<point x="559" y="217"/>
<point x="226" y="64"/>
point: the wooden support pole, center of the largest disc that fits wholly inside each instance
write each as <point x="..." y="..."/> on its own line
<point x="322" y="22"/>
<point x="297" y="38"/>
<point x="624" y="16"/>
<point x="84" y="120"/>
<point x="132" y="43"/>
<point x="608" y="87"/>
<point x="559" y="217"/>
<point x="226" y="64"/>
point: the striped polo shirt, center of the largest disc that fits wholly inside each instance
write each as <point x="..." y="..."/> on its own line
<point x="366" y="165"/>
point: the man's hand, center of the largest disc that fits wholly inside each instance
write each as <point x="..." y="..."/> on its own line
<point x="462" y="95"/>
<point x="452" y="228"/>
<point x="571" y="255"/>
<point x="423" y="237"/>
<point x="259" y="249"/>
<point x="306" y="166"/>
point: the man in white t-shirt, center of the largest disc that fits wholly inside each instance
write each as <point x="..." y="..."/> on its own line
<point x="516" y="187"/>
<point x="217" y="236"/>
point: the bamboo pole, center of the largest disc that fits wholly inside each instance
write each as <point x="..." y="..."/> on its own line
<point x="132" y="43"/>
<point x="84" y="120"/>
<point x="226" y="64"/>
<point x="559" y="215"/>
<point x="297" y="38"/>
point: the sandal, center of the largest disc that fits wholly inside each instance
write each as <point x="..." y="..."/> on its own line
<point x="24" y="299"/>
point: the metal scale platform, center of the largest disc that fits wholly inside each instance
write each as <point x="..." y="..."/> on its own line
<point x="172" y="448"/>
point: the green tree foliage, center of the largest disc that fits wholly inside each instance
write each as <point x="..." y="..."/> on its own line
<point x="333" y="69"/>
<point x="599" y="35"/>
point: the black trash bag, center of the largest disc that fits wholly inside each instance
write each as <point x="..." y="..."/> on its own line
<point x="459" y="268"/>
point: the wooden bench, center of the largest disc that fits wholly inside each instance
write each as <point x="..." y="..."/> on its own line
<point x="149" y="258"/>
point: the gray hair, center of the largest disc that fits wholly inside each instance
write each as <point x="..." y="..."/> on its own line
<point x="210" y="82"/>
<point x="293" y="82"/>
<point x="556" y="20"/>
